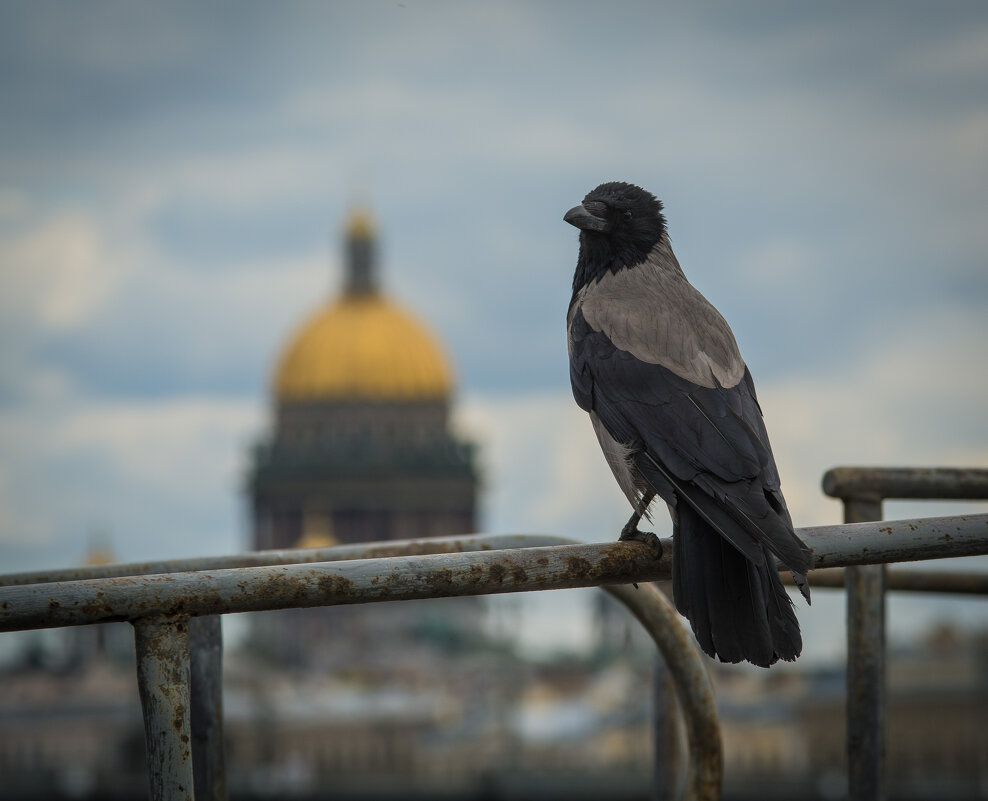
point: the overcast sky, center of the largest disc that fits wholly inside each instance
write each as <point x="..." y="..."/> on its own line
<point x="174" y="177"/>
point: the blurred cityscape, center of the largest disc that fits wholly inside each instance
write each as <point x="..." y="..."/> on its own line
<point x="432" y="699"/>
<point x="435" y="716"/>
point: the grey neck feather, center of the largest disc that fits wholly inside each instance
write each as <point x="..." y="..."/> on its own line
<point x="654" y="313"/>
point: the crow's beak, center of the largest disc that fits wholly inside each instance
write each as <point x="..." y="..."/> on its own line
<point x="584" y="220"/>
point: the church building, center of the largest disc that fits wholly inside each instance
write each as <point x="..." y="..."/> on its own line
<point x="361" y="451"/>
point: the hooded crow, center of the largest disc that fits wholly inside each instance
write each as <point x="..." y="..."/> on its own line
<point x="674" y="409"/>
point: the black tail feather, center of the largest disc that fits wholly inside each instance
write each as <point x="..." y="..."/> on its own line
<point x="738" y="608"/>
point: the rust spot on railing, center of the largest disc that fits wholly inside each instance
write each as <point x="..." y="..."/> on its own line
<point x="335" y="585"/>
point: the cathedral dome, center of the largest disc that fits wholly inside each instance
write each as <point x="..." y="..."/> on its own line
<point x="362" y="346"/>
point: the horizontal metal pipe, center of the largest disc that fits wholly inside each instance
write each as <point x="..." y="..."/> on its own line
<point x="825" y="541"/>
<point x="438" y="575"/>
<point x="326" y="583"/>
<point x="927" y="483"/>
<point x="947" y="582"/>
<point x="884" y="541"/>
<point x="292" y="556"/>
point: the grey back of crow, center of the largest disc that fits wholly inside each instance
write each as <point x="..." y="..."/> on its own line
<point x="675" y="411"/>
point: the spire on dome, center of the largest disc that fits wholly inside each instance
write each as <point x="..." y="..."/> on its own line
<point x="361" y="267"/>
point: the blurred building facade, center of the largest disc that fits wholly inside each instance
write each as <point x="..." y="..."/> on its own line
<point x="486" y="724"/>
<point x="361" y="450"/>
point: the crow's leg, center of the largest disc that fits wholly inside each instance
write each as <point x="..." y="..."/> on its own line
<point x="631" y="532"/>
<point x="630" y="529"/>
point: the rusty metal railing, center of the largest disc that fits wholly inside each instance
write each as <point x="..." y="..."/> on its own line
<point x="168" y="600"/>
<point x="174" y="604"/>
<point x="863" y="490"/>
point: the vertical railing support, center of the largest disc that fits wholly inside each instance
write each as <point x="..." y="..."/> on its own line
<point x="664" y="773"/>
<point x="865" y="666"/>
<point x="693" y="688"/>
<point x="206" y="652"/>
<point x="163" y="676"/>
<point x="863" y="489"/>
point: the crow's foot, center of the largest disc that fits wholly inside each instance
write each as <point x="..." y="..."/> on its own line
<point x="631" y="532"/>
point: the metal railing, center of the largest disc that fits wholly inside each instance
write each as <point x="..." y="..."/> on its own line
<point x="173" y="608"/>
<point x="863" y="490"/>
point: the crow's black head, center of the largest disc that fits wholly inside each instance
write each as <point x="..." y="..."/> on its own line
<point x="619" y="225"/>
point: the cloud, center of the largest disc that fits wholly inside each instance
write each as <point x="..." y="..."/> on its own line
<point x="162" y="477"/>
<point x="59" y="271"/>
<point x="14" y="205"/>
<point x="90" y="304"/>
<point x="780" y="266"/>
<point x="960" y="57"/>
<point x="757" y="145"/>
<point x="912" y="400"/>
<point x="542" y="466"/>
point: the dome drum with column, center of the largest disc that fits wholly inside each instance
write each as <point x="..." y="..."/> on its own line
<point x="347" y="424"/>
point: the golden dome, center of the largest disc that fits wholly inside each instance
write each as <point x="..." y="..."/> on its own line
<point x="363" y="347"/>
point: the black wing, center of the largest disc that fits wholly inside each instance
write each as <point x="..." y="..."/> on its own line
<point x="710" y="444"/>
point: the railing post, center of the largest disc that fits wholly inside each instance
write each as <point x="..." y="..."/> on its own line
<point x="865" y="666"/>
<point x="206" y="653"/>
<point x="163" y="676"/>
<point x="664" y="773"/>
<point x="692" y="684"/>
<point x="862" y="489"/>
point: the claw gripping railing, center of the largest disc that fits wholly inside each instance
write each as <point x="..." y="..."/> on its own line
<point x="173" y="605"/>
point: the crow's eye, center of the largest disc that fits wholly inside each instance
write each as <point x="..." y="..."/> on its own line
<point x="627" y="215"/>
